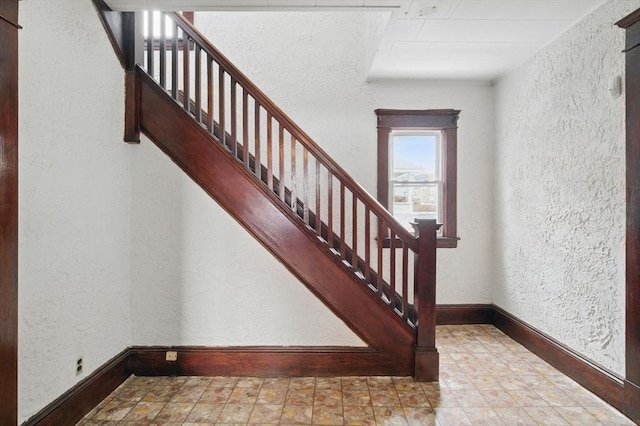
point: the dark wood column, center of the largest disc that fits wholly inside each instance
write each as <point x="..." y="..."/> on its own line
<point x="632" y="356"/>
<point x="8" y="212"/>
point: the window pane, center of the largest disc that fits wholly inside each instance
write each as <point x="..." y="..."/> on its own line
<point x="416" y="201"/>
<point x="415" y="158"/>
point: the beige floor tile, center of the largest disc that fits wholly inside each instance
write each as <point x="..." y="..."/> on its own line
<point x="269" y="395"/>
<point x="420" y="416"/>
<point x="577" y="415"/>
<point x="266" y="414"/>
<point x="329" y="383"/>
<point x="545" y="416"/>
<point x="243" y="395"/>
<point x="174" y="412"/>
<point x="328" y="397"/>
<point x="144" y="411"/>
<point x="358" y="415"/>
<point x="356" y="397"/>
<point x="114" y="410"/>
<point x="483" y="416"/>
<point x="384" y="398"/>
<point x="452" y="417"/>
<point x="413" y="398"/>
<point x="217" y="395"/>
<point x="301" y="396"/>
<point x="297" y="414"/>
<point x="328" y="415"/>
<point x="205" y="412"/>
<point x="515" y="416"/>
<point x="392" y="416"/>
<point x="235" y="413"/>
<point x="486" y="378"/>
<point x="609" y="416"/>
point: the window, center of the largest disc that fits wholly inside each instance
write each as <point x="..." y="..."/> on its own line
<point x="417" y="167"/>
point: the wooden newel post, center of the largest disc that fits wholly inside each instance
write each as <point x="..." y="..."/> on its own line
<point x="133" y="41"/>
<point x="427" y="363"/>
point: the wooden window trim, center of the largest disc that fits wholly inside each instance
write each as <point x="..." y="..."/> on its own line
<point x="444" y="120"/>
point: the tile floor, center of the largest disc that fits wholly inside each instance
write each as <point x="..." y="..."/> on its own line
<point x="486" y="378"/>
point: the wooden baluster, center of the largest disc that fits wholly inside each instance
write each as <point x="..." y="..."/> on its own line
<point x="305" y="184"/>
<point x="150" y="68"/>
<point x="163" y="51"/>
<point x="354" y="231"/>
<point x="405" y="281"/>
<point x="392" y="269"/>
<point x="256" y="131"/>
<point x="245" y="128"/>
<point x="186" y="78"/>
<point x="281" y="161"/>
<point x="174" y="62"/>
<point x="269" y="152"/>
<point x="198" y="88"/>
<point x="382" y="232"/>
<point x="210" y="91"/>
<point x="317" y="206"/>
<point x="367" y="244"/>
<point x="294" y="181"/>
<point x="343" y="237"/>
<point x="427" y="357"/>
<point x="330" y="209"/>
<point x="222" y="111"/>
<point x="234" y="119"/>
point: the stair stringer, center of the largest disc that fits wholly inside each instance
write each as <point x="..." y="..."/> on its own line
<point x="275" y="226"/>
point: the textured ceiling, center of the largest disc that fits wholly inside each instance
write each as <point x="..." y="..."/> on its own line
<point x="476" y="40"/>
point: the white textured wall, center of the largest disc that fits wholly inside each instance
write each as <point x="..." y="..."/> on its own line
<point x="560" y="200"/>
<point x="75" y="207"/>
<point x="201" y="279"/>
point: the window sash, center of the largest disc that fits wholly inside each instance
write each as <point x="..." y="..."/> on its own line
<point x="437" y="182"/>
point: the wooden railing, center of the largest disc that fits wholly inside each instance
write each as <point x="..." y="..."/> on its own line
<point x="294" y="168"/>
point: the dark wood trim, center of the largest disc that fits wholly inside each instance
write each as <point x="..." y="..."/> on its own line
<point x="445" y="120"/>
<point x="464" y="314"/>
<point x="427" y="361"/>
<point x="115" y="26"/>
<point x="132" y="108"/>
<point x="631" y="24"/>
<point x="597" y="379"/>
<point x="9" y="213"/>
<point x="632" y="401"/>
<point x="269" y="361"/>
<point x="74" y="404"/>
<point x="418" y="119"/>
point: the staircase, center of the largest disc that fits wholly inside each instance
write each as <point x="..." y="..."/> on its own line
<point x="250" y="157"/>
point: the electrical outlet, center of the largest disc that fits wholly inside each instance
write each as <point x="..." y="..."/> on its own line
<point x="79" y="366"/>
<point x="171" y="356"/>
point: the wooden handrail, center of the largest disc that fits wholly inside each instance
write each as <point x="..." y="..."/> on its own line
<point x="295" y="131"/>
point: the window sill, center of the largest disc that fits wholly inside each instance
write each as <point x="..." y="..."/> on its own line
<point x="442" y="242"/>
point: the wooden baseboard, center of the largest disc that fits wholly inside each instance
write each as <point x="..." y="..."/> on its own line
<point x="268" y="361"/>
<point x="632" y="401"/>
<point x="596" y="379"/>
<point x="74" y="404"/>
<point x="464" y="314"/>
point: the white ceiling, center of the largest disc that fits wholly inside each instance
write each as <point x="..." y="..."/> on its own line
<point x="476" y="40"/>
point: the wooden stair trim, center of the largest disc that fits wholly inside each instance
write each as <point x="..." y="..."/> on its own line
<point x="263" y="215"/>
